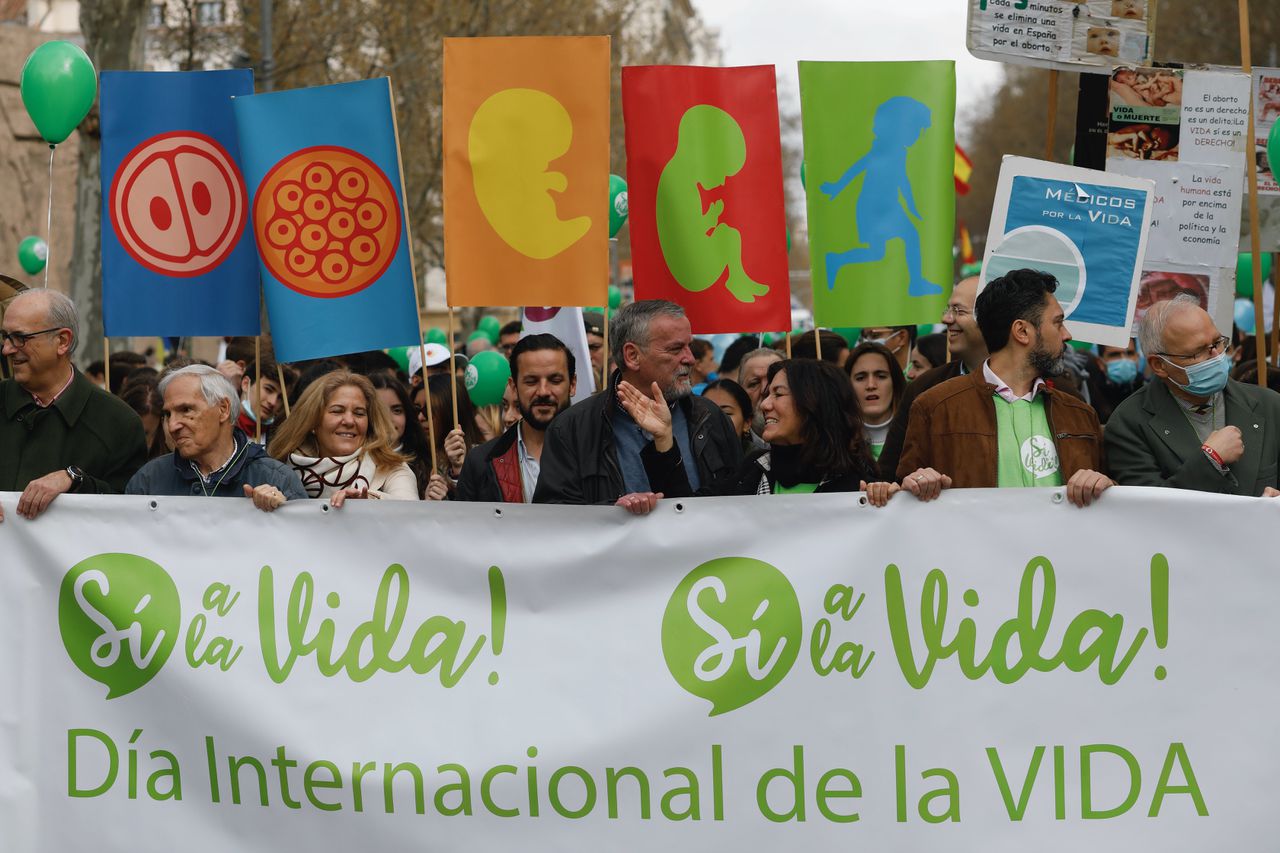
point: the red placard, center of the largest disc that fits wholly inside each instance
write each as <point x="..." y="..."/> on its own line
<point x="704" y="186"/>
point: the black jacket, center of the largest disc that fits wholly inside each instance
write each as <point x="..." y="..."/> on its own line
<point x="579" y="462"/>
<point x="478" y="480"/>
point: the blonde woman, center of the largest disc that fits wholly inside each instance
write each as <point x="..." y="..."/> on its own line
<point x="340" y="439"/>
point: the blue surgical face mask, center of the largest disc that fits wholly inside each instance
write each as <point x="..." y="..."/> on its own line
<point x="1207" y="377"/>
<point x="1122" y="371"/>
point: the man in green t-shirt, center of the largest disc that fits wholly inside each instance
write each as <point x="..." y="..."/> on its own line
<point x="1004" y="425"/>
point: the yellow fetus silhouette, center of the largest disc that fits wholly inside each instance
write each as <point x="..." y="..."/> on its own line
<point x="515" y="135"/>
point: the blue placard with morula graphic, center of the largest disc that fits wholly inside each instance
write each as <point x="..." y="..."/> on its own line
<point x="1086" y="235"/>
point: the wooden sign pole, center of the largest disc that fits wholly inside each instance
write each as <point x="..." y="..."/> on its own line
<point x="1251" y="162"/>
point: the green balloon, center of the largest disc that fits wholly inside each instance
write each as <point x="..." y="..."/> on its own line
<point x="1273" y="150"/>
<point x="491" y="326"/>
<point x="32" y="254"/>
<point x="436" y="335"/>
<point x="486" y="378"/>
<point x="400" y="355"/>
<point x="58" y="87"/>
<point x="618" y="207"/>
<point x="615" y="297"/>
<point x="1244" y="272"/>
<point x="597" y="309"/>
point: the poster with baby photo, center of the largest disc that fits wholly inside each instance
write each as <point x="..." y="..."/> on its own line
<point x="1266" y="111"/>
<point x="1146" y="109"/>
<point x="1070" y="35"/>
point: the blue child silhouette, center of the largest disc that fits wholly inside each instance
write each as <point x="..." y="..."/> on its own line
<point x="886" y="198"/>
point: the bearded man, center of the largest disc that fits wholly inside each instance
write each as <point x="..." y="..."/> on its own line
<point x="1005" y="425"/>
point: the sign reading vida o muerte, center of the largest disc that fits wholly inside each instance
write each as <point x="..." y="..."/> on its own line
<point x="726" y="674"/>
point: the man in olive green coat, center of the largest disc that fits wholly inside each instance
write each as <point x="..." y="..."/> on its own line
<point x="58" y="431"/>
<point x="1192" y="427"/>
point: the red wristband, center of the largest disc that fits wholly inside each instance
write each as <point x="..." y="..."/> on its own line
<point x="1213" y="454"/>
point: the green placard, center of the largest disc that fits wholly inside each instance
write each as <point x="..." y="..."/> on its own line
<point x="879" y="147"/>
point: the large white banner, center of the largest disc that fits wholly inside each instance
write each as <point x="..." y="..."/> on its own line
<point x="996" y="670"/>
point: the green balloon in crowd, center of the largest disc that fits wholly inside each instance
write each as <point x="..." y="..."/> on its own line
<point x="615" y="297"/>
<point x="491" y="326"/>
<point x="1244" y="272"/>
<point x="58" y="86"/>
<point x="618" y="205"/>
<point x="1273" y="148"/>
<point x="400" y="355"/>
<point x="486" y="378"/>
<point x="32" y="254"/>
<point x="436" y="335"/>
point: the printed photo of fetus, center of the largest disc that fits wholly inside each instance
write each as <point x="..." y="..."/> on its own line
<point x="1103" y="41"/>
<point x="1131" y="10"/>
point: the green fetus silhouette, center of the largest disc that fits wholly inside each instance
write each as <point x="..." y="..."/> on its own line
<point x="697" y="246"/>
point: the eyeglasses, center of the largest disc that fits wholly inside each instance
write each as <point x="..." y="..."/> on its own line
<point x="958" y="313"/>
<point x="1210" y="351"/>
<point x="19" y="339"/>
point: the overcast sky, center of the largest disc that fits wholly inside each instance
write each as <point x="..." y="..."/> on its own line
<point x="770" y="32"/>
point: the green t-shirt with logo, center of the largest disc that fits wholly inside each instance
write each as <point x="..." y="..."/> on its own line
<point x="1028" y="456"/>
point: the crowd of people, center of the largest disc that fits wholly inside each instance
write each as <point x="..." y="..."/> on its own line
<point x="999" y="399"/>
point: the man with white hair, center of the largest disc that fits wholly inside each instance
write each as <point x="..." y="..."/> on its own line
<point x="58" y="431"/>
<point x="211" y="456"/>
<point x="1193" y="427"/>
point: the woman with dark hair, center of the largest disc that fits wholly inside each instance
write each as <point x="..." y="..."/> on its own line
<point x="810" y="422"/>
<point x="143" y="396"/>
<point x="441" y="404"/>
<point x="413" y="438"/>
<point x="736" y="405"/>
<point x="929" y="352"/>
<point x="878" y="386"/>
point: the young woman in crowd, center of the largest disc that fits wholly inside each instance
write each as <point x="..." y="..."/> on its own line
<point x="144" y="398"/>
<point x="736" y="404"/>
<point x="340" y="440"/>
<point x="412" y="438"/>
<point x="877" y="387"/>
<point x="438" y="397"/>
<point x="810" y="422"/>
<point x="929" y="352"/>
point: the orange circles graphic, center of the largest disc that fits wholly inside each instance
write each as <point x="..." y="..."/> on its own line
<point x="327" y="221"/>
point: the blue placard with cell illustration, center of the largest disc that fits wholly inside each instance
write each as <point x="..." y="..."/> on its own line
<point x="178" y="254"/>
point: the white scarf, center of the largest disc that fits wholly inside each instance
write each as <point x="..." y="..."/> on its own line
<point x="323" y="476"/>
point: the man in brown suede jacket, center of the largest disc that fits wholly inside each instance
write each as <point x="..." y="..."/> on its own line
<point x="1004" y="425"/>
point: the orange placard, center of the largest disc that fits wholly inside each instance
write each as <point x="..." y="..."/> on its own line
<point x="526" y="170"/>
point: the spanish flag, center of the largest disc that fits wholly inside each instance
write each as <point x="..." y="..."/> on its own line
<point x="964" y="168"/>
<point x="966" y="245"/>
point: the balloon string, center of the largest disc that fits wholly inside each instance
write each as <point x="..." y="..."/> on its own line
<point x="48" y="225"/>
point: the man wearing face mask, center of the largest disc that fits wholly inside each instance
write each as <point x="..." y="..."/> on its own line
<point x="1193" y="427"/>
<point x="898" y="339"/>
<point x="1112" y="376"/>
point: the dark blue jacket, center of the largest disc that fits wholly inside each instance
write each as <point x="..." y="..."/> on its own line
<point x="173" y="475"/>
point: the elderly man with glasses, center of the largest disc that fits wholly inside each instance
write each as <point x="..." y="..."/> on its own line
<point x="58" y="431"/>
<point x="1195" y="427"/>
